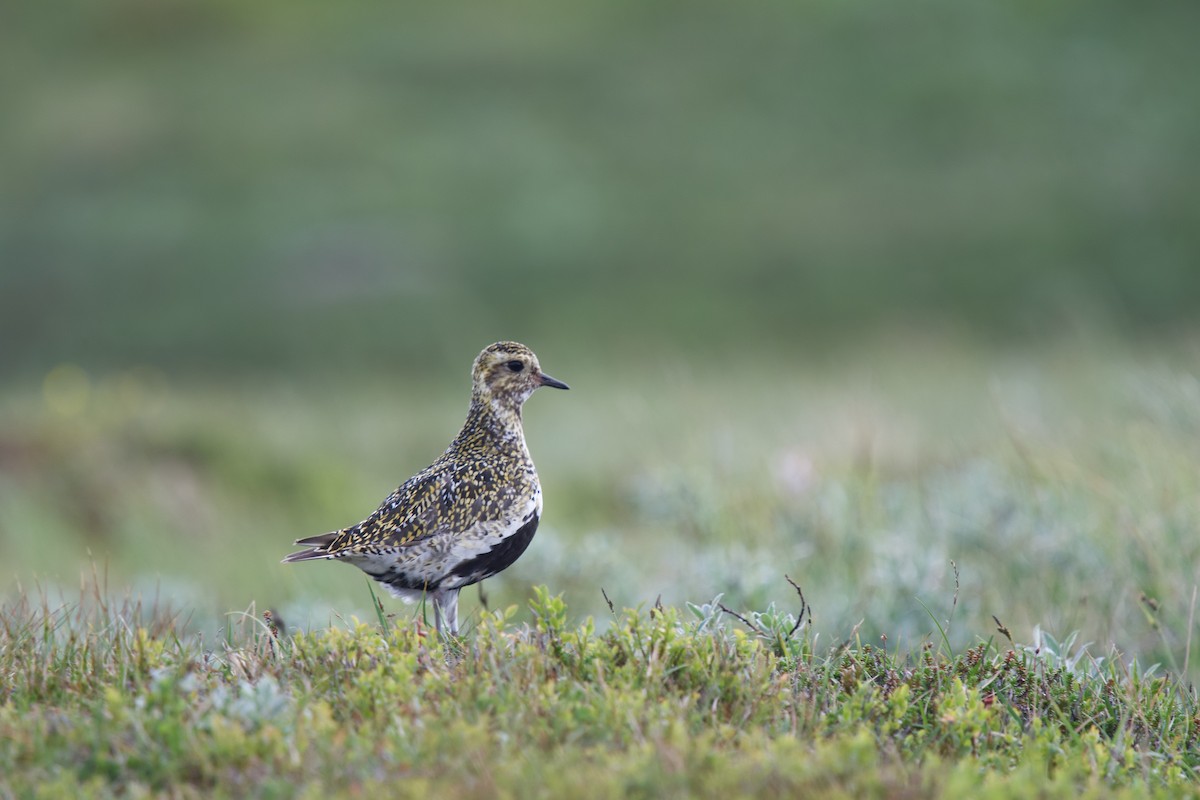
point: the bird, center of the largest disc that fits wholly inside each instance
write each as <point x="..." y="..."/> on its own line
<point x="469" y="514"/>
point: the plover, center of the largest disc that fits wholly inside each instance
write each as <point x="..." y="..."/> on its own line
<point x="468" y="515"/>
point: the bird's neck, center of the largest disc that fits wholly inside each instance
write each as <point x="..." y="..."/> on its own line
<point x="493" y="421"/>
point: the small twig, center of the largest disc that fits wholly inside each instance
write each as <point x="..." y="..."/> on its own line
<point x="483" y="601"/>
<point x="804" y="607"/>
<point x="611" y="610"/>
<point x="745" y="621"/>
<point x="1000" y="627"/>
<point x="657" y="609"/>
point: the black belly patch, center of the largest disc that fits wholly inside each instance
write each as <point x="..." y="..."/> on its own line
<point x="500" y="557"/>
<point x="470" y="571"/>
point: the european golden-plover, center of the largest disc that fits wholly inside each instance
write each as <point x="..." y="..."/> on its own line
<point x="468" y="515"/>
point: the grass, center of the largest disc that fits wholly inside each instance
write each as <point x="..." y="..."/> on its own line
<point x="996" y="550"/>
<point x="107" y="698"/>
<point x="1060" y="484"/>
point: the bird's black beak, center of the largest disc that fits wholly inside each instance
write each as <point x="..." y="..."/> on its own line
<point x="548" y="381"/>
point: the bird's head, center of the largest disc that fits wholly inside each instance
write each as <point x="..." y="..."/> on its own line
<point x="507" y="373"/>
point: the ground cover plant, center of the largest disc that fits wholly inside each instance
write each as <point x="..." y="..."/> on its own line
<point x="997" y="558"/>
<point x="1060" y="485"/>
<point x="104" y="698"/>
<point x="997" y="554"/>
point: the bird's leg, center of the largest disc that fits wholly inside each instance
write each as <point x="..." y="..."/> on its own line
<point x="445" y="611"/>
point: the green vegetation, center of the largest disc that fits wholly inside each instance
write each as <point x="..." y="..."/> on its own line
<point x="1060" y="485"/>
<point x="105" y="701"/>
<point x="911" y="497"/>
<point x="896" y="300"/>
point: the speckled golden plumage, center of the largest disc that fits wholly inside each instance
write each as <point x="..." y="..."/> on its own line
<point x="468" y="515"/>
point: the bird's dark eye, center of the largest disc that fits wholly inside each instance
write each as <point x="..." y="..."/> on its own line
<point x="516" y="366"/>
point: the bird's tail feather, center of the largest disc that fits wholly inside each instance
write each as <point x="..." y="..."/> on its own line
<point x="318" y="547"/>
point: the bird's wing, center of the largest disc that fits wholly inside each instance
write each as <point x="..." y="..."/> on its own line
<point x="446" y="497"/>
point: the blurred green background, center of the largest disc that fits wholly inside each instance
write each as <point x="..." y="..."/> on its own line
<point x="846" y="290"/>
